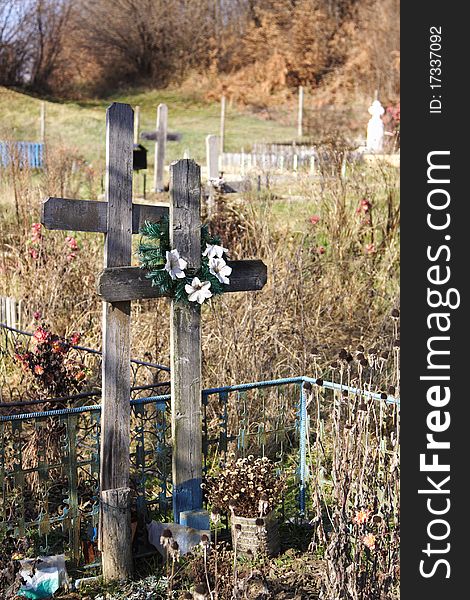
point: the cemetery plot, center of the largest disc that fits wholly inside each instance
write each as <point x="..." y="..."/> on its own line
<point x="143" y="450"/>
<point x="184" y="218"/>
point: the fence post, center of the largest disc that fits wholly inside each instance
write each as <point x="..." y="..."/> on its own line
<point x="302" y="449"/>
<point x="300" y="114"/>
<point x="42" y="123"/>
<point x="312" y="165"/>
<point x="160" y="146"/>
<point x="212" y="156"/>
<point x="212" y="159"/>
<point x="136" y="124"/>
<point x="71" y="424"/>
<point x="222" y="124"/>
<point x="343" y="167"/>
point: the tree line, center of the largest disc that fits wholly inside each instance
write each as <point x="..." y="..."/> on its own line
<point x="82" y="47"/>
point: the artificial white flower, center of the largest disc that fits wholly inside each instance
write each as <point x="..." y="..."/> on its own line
<point x="198" y="291"/>
<point x="175" y="265"/>
<point x="220" y="269"/>
<point x="212" y="251"/>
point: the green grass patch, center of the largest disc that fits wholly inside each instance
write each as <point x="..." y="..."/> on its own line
<point x="81" y="124"/>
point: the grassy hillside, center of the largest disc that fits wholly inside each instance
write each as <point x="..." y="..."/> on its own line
<point x="81" y="125"/>
<point x="333" y="260"/>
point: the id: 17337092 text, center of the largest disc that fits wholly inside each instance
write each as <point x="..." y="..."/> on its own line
<point x="435" y="69"/>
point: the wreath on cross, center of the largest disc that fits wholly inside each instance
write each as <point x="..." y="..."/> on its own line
<point x="169" y="272"/>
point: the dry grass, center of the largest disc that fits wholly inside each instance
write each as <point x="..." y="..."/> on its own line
<point x="355" y="488"/>
<point x="330" y="284"/>
<point x="333" y="281"/>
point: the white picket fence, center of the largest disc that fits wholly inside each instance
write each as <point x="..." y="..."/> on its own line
<point x="245" y="162"/>
<point x="289" y="159"/>
<point x="10" y="311"/>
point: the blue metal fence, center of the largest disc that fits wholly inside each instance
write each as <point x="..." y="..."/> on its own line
<point x="49" y="472"/>
<point x="272" y="422"/>
<point x="50" y="482"/>
<point x="26" y="154"/>
<point x="146" y="377"/>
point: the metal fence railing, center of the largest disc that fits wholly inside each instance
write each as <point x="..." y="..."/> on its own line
<point x="269" y="418"/>
<point x="277" y="159"/>
<point x="49" y="472"/>
<point x="49" y="449"/>
<point x="49" y="460"/>
<point x="147" y="378"/>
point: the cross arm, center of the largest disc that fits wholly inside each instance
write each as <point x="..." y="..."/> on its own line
<point x="130" y="283"/>
<point x="230" y="187"/>
<point x="91" y="215"/>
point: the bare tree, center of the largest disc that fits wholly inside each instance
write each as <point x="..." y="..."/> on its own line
<point x="63" y="46"/>
<point x="49" y="21"/>
<point x="32" y="34"/>
<point x="150" y="41"/>
<point x="14" y="50"/>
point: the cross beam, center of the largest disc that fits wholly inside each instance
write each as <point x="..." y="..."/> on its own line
<point x="130" y="283"/>
<point x="91" y="215"/>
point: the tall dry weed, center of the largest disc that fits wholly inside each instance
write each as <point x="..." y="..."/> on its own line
<point x="330" y="283"/>
<point x="355" y="486"/>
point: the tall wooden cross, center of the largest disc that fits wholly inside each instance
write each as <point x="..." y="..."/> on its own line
<point x="120" y="283"/>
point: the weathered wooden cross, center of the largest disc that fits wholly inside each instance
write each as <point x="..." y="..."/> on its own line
<point x="160" y="145"/>
<point x="120" y="283"/>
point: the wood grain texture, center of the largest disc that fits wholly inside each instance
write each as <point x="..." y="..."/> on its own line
<point x="115" y="414"/>
<point x="115" y="533"/>
<point x="185" y="343"/>
<point x="160" y="147"/>
<point x="131" y="283"/>
<point x="116" y="319"/>
<point x="90" y="215"/>
<point x="74" y="215"/>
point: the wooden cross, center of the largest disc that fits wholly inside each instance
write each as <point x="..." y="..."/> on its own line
<point x="120" y="283"/>
<point x="160" y="145"/>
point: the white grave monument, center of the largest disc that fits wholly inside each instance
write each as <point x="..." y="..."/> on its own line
<point x="375" y="128"/>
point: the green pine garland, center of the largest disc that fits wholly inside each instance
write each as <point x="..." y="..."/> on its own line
<point x="153" y="246"/>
